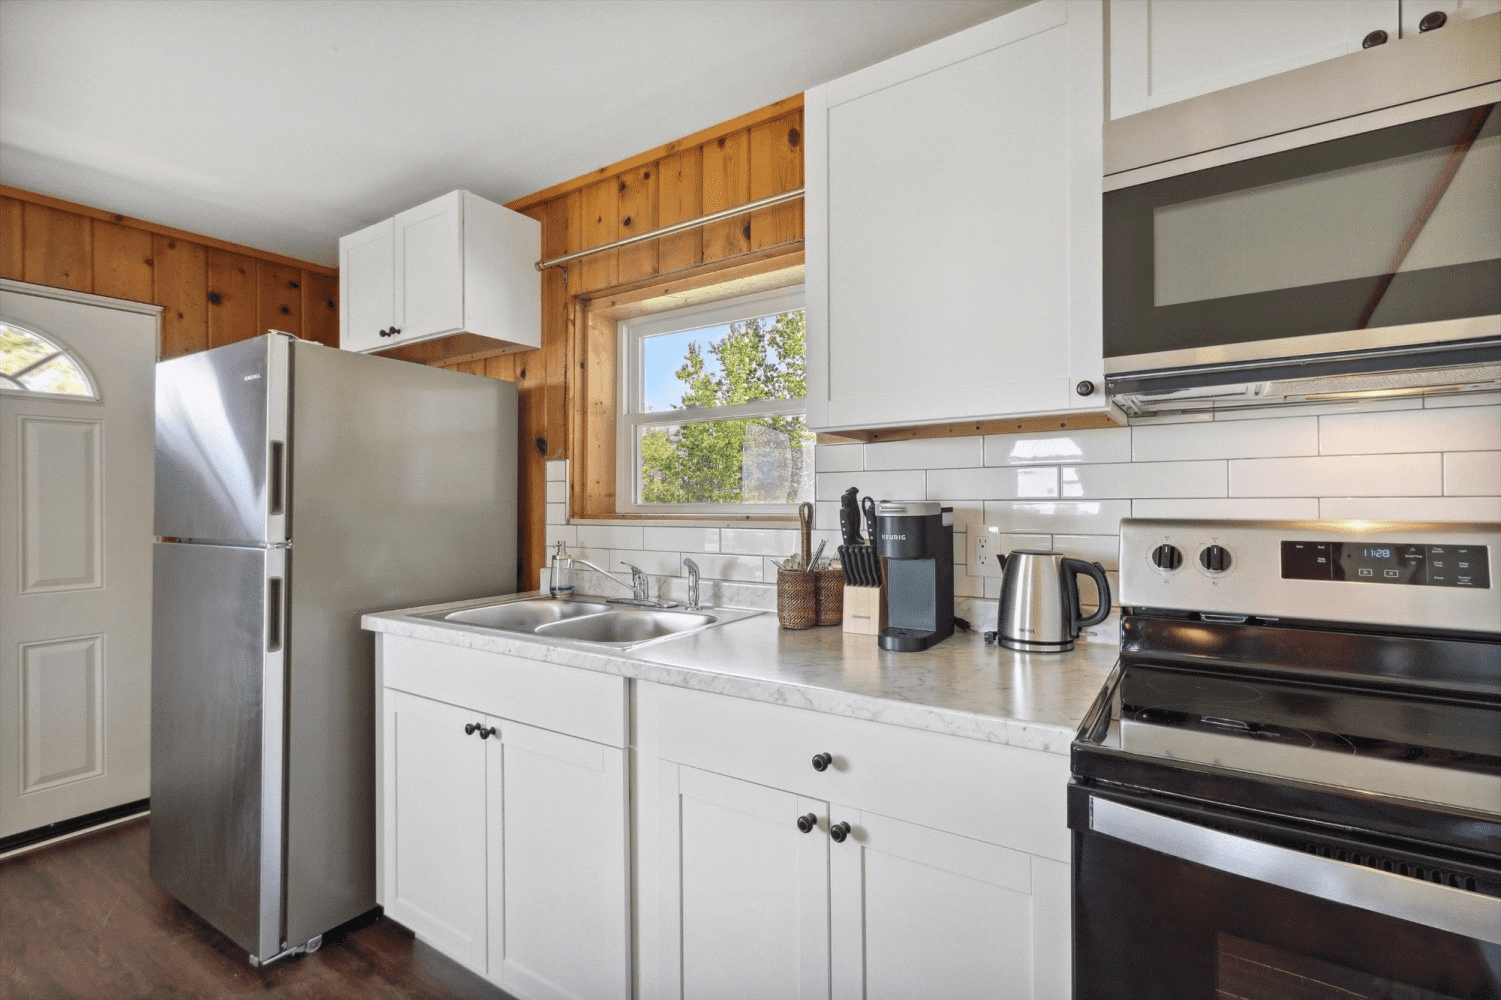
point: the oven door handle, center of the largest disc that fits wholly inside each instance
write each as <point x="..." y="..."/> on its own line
<point x="1457" y="911"/>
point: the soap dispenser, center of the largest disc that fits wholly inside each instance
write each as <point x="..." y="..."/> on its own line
<point x="559" y="579"/>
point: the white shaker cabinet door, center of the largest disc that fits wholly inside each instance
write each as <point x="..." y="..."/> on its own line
<point x="559" y="878"/>
<point x="433" y="821"/>
<point x="367" y="282"/>
<point x="745" y="912"/>
<point x="1163" y="51"/>
<point x="953" y="215"/>
<point x="429" y="241"/>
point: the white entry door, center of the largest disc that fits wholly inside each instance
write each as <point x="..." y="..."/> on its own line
<point x="76" y="490"/>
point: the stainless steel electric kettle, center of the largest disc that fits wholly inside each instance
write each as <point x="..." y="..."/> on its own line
<point x="1039" y="609"/>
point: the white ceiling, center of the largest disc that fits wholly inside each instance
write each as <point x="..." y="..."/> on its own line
<point x="284" y="124"/>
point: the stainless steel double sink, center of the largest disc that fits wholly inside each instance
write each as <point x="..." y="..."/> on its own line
<point x="588" y="622"/>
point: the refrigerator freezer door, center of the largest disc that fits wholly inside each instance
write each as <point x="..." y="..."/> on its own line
<point x="221" y="443"/>
<point x="218" y="731"/>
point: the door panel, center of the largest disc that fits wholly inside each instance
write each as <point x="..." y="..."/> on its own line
<point x="75" y="566"/>
<point x="221" y="432"/>
<point x="216" y="758"/>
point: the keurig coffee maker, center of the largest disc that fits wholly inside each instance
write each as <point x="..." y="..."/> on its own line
<point x="915" y="540"/>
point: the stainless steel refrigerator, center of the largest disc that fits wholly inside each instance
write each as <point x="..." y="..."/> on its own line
<point x="297" y="487"/>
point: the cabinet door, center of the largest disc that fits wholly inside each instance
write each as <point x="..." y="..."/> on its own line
<point x="918" y="912"/>
<point x="433" y="824"/>
<point x="366" y="287"/>
<point x="430" y="269"/>
<point x="1454" y="11"/>
<point x="559" y="873"/>
<point x="953" y="227"/>
<point x="746" y="904"/>
<point x="1163" y="51"/>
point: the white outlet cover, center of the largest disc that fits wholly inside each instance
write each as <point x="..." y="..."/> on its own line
<point x="985" y="545"/>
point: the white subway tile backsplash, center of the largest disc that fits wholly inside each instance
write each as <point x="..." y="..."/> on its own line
<point x="611" y="536"/>
<point x="1067" y="517"/>
<point x="1472" y="473"/>
<point x="557" y="513"/>
<point x="557" y="491"/>
<point x="1102" y="444"/>
<point x="651" y="561"/>
<point x="1258" y="439"/>
<point x="1125" y="480"/>
<point x="1246" y="508"/>
<point x="687" y="540"/>
<point x="722" y="567"/>
<point x="1471" y="428"/>
<point x="1006" y="483"/>
<point x="1338" y="475"/>
<point x="907" y="485"/>
<point x="839" y="458"/>
<point x="556" y="470"/>
<point x="759" y="541"/>
<point x="1103" y="549"/>
<point x="565" y="533"/>
<point x="1413" y="508"/>
<point x="926" y="453"/>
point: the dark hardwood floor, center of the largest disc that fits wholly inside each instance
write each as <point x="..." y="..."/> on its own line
<point x="82" y="919"/>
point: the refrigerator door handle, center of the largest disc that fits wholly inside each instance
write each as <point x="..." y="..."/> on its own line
<point x="276" y="493"/>
<point x="274" y="616"/>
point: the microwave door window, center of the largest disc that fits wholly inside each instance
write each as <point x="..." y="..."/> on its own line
<point x="1386" y="228"/>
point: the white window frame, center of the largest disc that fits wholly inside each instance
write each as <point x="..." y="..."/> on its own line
<point x="630" y="417"/>
<point x="10" y="384"/>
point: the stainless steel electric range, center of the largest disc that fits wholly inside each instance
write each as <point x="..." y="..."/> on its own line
<point x="1290" y="786"/>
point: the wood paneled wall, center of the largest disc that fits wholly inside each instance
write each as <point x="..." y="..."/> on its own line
<point x="211" y="292"/>
<point x="568" y="385"/>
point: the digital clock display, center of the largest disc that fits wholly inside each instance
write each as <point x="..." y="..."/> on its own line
<point x="1391" y="563"/>
<point x="1376" y="552"/>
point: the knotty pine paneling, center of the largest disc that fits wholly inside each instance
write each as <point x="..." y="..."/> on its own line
<point x="58" y="248"/>
<point x="278" y="298"/>
<point x="680" y="197"/>
<point x="12" y="247"/>
<point x="181" y="289"/>
<point x="122" y="262"/>
<point x="232" y="310"/>
<point x="320" y="308"/>
<point x="776" y="165"/>
<point x="637" y="209"/>
<point x="726" y="180"/>
<point x="601" y="224"/>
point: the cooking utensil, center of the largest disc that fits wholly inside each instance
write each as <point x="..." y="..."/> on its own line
<point x="816" y="553"/>
<point x="1039" y="604"/>
<point x="849" y="517"/>
<point x="805" y="517"/>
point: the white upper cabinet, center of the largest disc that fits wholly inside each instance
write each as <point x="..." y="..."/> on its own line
<point x="953" y="227"/>
<point x="456" y="266"/>
<point x="1164" y="51"/>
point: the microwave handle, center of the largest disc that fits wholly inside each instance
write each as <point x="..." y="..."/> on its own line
<point x="1468" y="914"/>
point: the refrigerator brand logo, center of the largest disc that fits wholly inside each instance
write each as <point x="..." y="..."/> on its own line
<point x="251" y="378"/>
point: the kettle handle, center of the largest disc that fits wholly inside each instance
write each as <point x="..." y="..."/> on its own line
<point x="1072" y="568"/>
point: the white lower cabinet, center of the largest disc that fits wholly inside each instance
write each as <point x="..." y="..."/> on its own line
<point x="750" y="886"/>
<point x="505" y="845"/>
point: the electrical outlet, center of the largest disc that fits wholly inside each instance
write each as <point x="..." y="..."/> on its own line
<point x="985" y="545"/>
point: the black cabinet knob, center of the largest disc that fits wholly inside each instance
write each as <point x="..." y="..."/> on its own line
<point x="807" y="822"/>
<point x="839" y="831"/>
<point x="395" y="330"/>
<point x="1085" y="388"/>
<point x="1433" y="19"/>
<point x="821" y="761"/>
<point x="1215" y="558"/>
<point x="485" y="734"/>
<point x="471" y="728"/>
<point x="1375" y="38"/>
<point x="1167" y="556"/>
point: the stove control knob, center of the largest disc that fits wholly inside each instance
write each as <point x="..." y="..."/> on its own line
<point x="1215" y="558"/>
<point x="1167" y="556"/>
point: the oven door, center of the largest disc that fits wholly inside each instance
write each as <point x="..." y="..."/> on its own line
<point x="1174" y="900"/>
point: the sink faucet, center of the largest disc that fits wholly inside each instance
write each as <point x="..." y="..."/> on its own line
<point x="692" y="584"/>
<point x="639" y="585"/>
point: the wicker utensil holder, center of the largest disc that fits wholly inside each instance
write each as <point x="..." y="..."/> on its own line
<point x="830" y="596"/>
<point x="797" y="598"/>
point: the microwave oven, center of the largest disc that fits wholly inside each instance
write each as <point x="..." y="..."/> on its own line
<point x="1325" y="234"/>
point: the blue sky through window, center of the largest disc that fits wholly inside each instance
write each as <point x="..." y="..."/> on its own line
<point x="663" y="355"/>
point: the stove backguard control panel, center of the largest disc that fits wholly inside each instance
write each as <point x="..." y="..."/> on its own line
<point x="1379" y="561"/>
<point x="1390" y="574"/>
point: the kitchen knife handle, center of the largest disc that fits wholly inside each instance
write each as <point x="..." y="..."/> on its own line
<point x="868" y="504"/>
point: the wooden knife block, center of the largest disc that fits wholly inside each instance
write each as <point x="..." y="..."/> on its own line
<point x="865" y="610"/>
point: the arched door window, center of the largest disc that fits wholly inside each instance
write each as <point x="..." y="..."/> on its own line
<point x="32" y="363"/>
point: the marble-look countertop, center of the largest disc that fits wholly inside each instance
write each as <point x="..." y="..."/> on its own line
<point x="961" y="686"/>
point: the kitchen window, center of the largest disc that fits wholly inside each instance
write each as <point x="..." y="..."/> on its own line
<point x="712" y="408"/>
<point x="33" y="364"/>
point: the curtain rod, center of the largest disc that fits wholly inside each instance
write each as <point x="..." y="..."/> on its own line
<point x="676" y="227"/>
